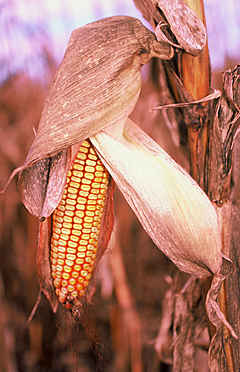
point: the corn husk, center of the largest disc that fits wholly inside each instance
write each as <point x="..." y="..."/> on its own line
<point x="170" y="205"/>
<point x="97" y="85"/>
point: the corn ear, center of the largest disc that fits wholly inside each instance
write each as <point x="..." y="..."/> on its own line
<point x="76" y="225"/>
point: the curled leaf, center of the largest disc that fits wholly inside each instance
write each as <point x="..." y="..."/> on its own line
<point x="97" y="83"/>
<point x="171" y="207"/>
<point x="174" y="22"/>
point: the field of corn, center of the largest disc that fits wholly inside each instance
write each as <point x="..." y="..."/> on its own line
<point x="140" y="313"/>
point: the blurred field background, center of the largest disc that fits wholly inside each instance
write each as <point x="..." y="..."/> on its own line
<point x="112" y="338"/>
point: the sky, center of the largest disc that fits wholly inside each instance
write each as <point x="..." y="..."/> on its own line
<point x="27" y="27"/>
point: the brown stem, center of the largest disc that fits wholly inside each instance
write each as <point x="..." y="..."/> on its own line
<point x="195" y="73"/>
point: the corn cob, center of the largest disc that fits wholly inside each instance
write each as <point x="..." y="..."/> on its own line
<point x="76" y="225"/>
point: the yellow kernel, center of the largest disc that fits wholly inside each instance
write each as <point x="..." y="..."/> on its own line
<point x="74" y="238"/>
<point x="98" y="174"/>
<point x="61" y="249"/>
<point x="77" y="220"/>
<point x="71" y="257"/>
<point x="91" y="163"/>
<point x="59" y="213"/>
<point x="59" y="268"/>
<point x="74" y="184"/>
<point x="77" y="268"/>
<point x="95" y="185"/>
<point x="83" y="242"/>
<point x="89" y="176"/>
<point x="86" y="231"/>
<point x="93" y="157"/>
<point x="91" y="207"/>
<point x="72" y="244"/>
<point x="69" y="213"/>
<point x="71" y="250"/>
<point x="75" y="274"/>
<point x="89" y="214"/>
<point x="64" y="283"/>
<point x="92" y="202"/>
<point x="85" y="187"/>
<point x="80" y="206"/>
<point x="64" y="237"/>
<point x="72" y="281"/>
<point x="72" y="196"/>
<point x="82" y="249"/>
<point x="81" y="255"/>
<point x="70" y="288"/>
<point x="59" y="219"/>
<point x="85" y="144"/>
<point x="81" y="156"/>
<point x="81" y="200"/>
<point x="55" y="236"/>
<point x="71" y="202"/>
<point x="85" y="236"/>
<point x="70" y="207"/>
<point x="87" y="267"/>
<point x="87" y="225"/>
<point x="89" y="169"/>
<point x="82" y="150"/>
<point x="88" y="219"/>
<point x="99" y="167"/>
<point x="86" y="181"/>
<point x="80" y="214"/>
<point x="78" y="174"/>
<point x="83" y="193"/>
<point x="84" y="273"/>
<point x="67" y="219"/>
<point x="92" y="196"/>
<point x="65" y="276"/>
<point x="66" y="231"/>
<point x="62" y="242"/>
<point x="61" y="207"/>
<point x="76" y="232"/>
<point x="77" y="226"/>
<point x="57" y="283"/>
<point x="67" y="269"/>
<point x="74" y="294"/>
<point x="80" y="280"/>
<point x="77" y="166"/>
<point x="72" y="190"/>
<point x="61" y="255"/>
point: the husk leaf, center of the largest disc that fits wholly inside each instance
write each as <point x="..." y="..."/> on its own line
<point x="171" y="207"/>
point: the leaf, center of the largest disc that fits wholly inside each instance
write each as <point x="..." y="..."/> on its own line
<point x="97" y="83"/>
<point x="174" y="21"/>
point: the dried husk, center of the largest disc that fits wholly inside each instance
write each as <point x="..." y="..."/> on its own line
<point x="97" y="85"/>
<point x="171" y="207"/>
<point x="174" y="21"/>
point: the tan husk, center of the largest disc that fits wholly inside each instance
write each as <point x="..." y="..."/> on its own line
<point x="184" y="28"/>
<point x="170" y="205"/>
<point x="97" y="83"/>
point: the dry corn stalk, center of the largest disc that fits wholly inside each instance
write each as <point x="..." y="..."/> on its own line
<point x="87" y="108"/>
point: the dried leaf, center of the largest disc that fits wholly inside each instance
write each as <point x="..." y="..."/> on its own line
<point x="171" y="207"/>
<point x="175" y="22"/>
<point x="43" y="183"/>
<point x="97" y="83"/>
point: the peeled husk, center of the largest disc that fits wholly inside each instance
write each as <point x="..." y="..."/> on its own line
<point x="170" y="205"/>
